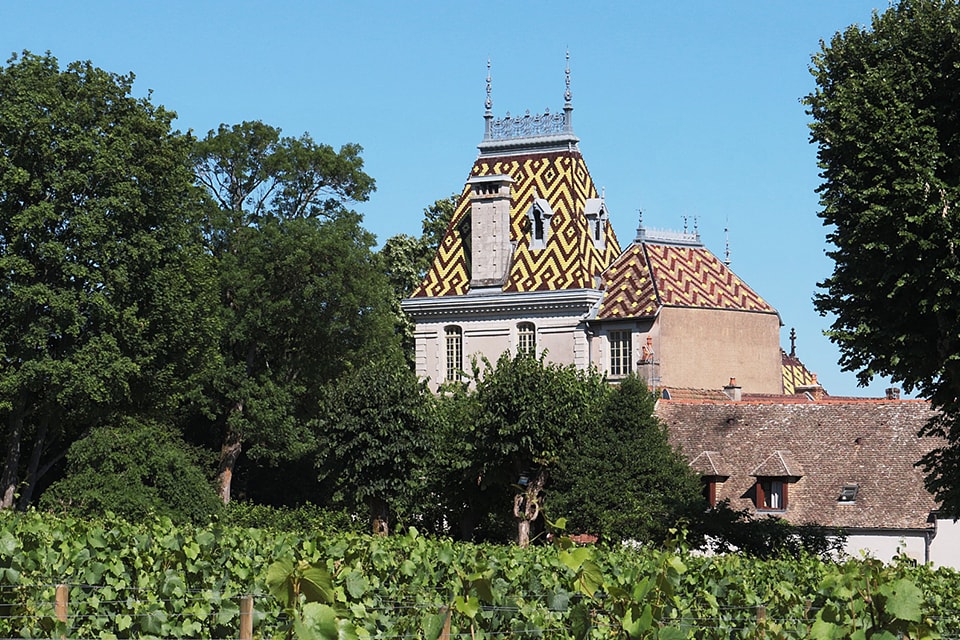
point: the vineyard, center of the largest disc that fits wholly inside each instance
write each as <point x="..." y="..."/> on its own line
<point x="160" y="580"/>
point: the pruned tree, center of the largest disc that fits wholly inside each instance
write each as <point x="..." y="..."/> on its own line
<point x="528" y="411"/>
<point x="106" y="296"/>
<point x="377" y="423"/>
<point x="886" y="121"/>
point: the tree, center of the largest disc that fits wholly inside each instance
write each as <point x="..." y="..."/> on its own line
<point x="406" y="260"/>
<point x="886" y="119"/>
<point x="302" y="297"/>
<point x="105" y="292"/>
<point x="620" y="478"/>
<point x="528" y="410"/>
<point x="135" y="469"/>
<point x="377" y="421"/>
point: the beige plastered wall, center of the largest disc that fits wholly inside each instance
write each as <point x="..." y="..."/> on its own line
<point x="704" y="348"/>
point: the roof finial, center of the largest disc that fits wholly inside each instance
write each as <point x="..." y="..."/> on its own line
<point x="696" y="226"/>
<point x="686" y="228"/>
<point x="726" y="258"/>
<point x="567" y="100"/>
<point x="488" y="114"/>
<point x="603" y="193"/>
<point x="793" y="342"/>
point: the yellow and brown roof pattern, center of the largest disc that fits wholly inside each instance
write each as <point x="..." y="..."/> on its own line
<point x="650" y="275"/>
<point x="569" y="261"/>
<point x="795" y="373"/>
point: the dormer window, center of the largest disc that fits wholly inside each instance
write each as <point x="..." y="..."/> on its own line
<point x="771" y="494"/>
<point x="596" y="214"/>
<point x="539" y="215"/>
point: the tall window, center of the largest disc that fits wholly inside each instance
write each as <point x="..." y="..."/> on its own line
<point x="527" y="338"/>
<point x="454" y="344"/>
<point x="621" y="352"/>
<point x="771" y="494"/>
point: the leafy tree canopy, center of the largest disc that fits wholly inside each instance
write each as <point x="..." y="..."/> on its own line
<point x="377" y="422"/>
<point x="105" y="293"/>
<point x="302" y="298"/>
<point x="886" y="119"/>
<point x="620" y="478"/>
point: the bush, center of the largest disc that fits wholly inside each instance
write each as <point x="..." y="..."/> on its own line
<point x="135" y="468"/>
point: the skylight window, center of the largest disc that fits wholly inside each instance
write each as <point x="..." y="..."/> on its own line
<point x="848" y="495"/>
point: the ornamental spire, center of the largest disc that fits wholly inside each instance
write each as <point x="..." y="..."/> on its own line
<point x="488" y="104"/>
<point x="567" y="100"/>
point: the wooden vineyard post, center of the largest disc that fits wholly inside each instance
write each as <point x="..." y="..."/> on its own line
<point x="60" y="605"/>
<point x="246" y="618"/>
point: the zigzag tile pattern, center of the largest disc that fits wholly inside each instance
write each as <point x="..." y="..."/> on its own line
<point x="795" y="374"/>
<point x="629" y="291"/>
<point x="687" y="276"/>
<point x="448" y="274"/>
<point x="569" y="261"/>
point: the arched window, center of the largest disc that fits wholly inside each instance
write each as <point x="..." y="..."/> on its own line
<point x="454" y="352"/>
<point x="527" y="338"/>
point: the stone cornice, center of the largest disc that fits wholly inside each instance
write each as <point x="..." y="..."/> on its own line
<point x="572" y="301"/>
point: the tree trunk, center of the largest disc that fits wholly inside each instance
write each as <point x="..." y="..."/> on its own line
<point x="11" y="464"/>
<point x="379" y="517"/>
<point x="229" y="452"/>
<point x="526" y="506"/>
<point x="39" y="442"/>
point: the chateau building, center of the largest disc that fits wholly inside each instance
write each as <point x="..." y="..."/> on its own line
<point x="530" y="262"/>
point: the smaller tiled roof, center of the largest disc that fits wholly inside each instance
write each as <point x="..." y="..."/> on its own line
<point x="795" y="373"/>
<point x="779" y="464"/>
<point x="650" y="275"/>
<point x="710" y="464"/>
<point x="821" y="445"/>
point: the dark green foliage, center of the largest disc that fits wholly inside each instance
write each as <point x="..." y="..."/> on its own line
<point x="528" y="410"/>
<point x="303" y="299"/>
<point x="305" y="519"/>
<point x="105" y="292"/>
<point x="135" y="469"/>
<point x="376" y="426"/>
<point x="886" y="117"/>
<point x="619" y="477"/>
<point x="726" y="530"/>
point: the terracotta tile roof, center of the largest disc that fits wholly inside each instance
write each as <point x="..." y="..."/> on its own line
<point x="829" y="444"/>
<point x="650" y="275"/>
<point x="569" y="261"/>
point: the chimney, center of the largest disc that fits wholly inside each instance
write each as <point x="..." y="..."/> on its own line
<point x="733" y="391"/>
<point x="893" y="393"/>
<point x="814" y="390"/>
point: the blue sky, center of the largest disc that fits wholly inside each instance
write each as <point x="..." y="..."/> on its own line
<point x="683" y="108"/>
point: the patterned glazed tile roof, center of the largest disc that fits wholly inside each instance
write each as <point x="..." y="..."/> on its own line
<point x="650" y="275"/>
<point x="830" y="443"/>
<point x="795" y="374"/>
<point x="569" y="261"/>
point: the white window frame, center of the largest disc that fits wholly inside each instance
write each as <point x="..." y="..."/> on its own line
<point x="620" y="347"/>
<point x="453" y="353"/>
